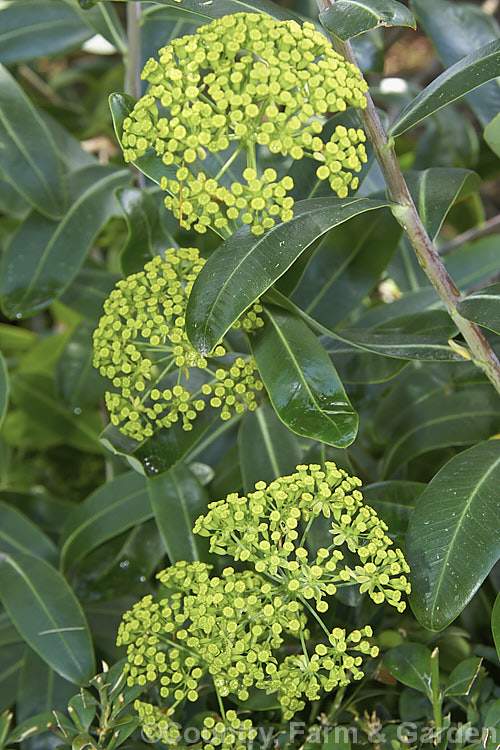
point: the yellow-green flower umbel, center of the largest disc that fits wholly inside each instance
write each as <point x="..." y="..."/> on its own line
<point x="141" y="345"/>
<point x="241" y="82"/>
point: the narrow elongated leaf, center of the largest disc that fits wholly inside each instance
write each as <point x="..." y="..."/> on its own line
<point x="11" y="662"/>
<point x="410" y="663"/>
<point x="268" y="450"/>
<point x="495" y="624"/>
<point x="301" y="381"/>
<point x="77" y="381"/>
<point x="435" y="190"/>
<point x="4" y="388"/>
<point x="349" y="18"/>
<point x="394" y="343"/>
<point x="113" y="508"/>
<point x="456" y="30"/>
<point x="218" y="8"/>
<point x="30" y="161"/>
<point x="177" y="499"/>
<point x="245" y="266"/>
<point x="34" y="393"/>
<point x="451" y="547"/>
<point x="394" y="502"/>
<point x="18" y="534"/>
<point x="48" y="615"/>
<point x="43" y="257"/>
<point x="35" y="28"/>
<point x="40" y="688"/>
<point x="466" y="75"/>
<point x="483" y="307"/>
<point x="455" y="419"/>
<point x="146" y="234"/>
<point x="492" y="134"/>
<point x="462" y="677"/>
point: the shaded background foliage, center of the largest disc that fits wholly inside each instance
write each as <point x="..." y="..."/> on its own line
<point x="86" y="517"/>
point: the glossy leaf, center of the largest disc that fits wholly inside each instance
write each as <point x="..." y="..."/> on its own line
<point x="18" y="534"/>
<point x="37" y="266"/>
<point x="34" y="392"/>
<point x="483" y="307"/>
<point x="88" y="292"/>
<point x="349" y="18"/>
<point x="267" y="449"/>
<point x="394" y="502"/>
<point x="435" y="190"/>
<point x="301" y="381"/>
<point x="35" y="28"/>
<point x="40" y="689"/>
<point x="410" y="663"/>
<point x="177" y="499"/>
<point x="492" y="134"/>
<point x="460" y="418"/>
<point x="4" y="388"/>
<point x="245" y="266"/>
<point x="492" y="722"/>
<point x="163" y="450"/>
<point x="110" y="510"/>
<point x="216" y="9"/>
<point x="495" y="624"/>
<point x="463" y="676"/>
<point x="347" y="266"/>
<point x="146" y="234"/>
<point x="465" y="76"/>
<point x="30" y="161"/>
<point x="450" y="547"/>
<point x="78" y="382"/>
<point x="399" y="344"/>
<point x="456" y="30"/>
<point x="11" y="662"/>
<point x="48" y="513"/>
<point x="47" y="614"/>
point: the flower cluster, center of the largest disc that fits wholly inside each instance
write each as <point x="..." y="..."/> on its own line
<point x="141" y="345"/>
<point x="264" y="528"/>
<point x="245" y="81"/>
<point x="230" y="628"/>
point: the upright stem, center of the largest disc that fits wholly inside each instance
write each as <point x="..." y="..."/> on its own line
<point x="407" y="215"/>
<point x="436" y="695"/>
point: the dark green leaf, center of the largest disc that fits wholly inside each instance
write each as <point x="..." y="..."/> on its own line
<point x="450" y="547"/>
<point x="47" y="614"/>
<point x="410" y="663"/>
<point x="465" y="76"/>
<point x="349" y="18"/>
<point x="11" y="661"/>
<point x="35" y="28"/>
<point x="195" y="10"/>
<point x="483" y="307"/>
<point x="88" y="291"/>
<point x="394" y="502"/>
<point x="34" y="392"/>
<point x="47" y="512"/>
<point x="31" y="727"/>
<point x="18" y="534"/>
<point x="30" y="161"/>
<point x="146" y="234"/>
<point x="161" y="452"/>
<point x="492" y="722"/>
<point x="43" y="257"/>
<point x="442" y="420"/>
<point x="347" y="266"/>
<point x="267" y="449"/>
<point x="40" y="688"/>
<point x="78" y="382"/>
<point x="113" y="508"/>
<point x="301" y="381"/>
<point x="4" y="388"/>
<point x="177" y="499"/>
<point x="245" y="266"/>
<point x="398" y="344"/>
<point x="435" y="190"/>
<point x="456" y="30"/>
<point x="462" y="677"/>
<point x="495" y="624"/>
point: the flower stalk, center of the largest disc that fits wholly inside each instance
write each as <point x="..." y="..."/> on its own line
<point x="407" y="215"/>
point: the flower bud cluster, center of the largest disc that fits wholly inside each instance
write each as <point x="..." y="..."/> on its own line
<point x="241" y="82"/>
<point x="141" y="346"/>
<point x="265" y="528"/>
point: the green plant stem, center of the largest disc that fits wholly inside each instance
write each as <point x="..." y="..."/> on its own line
<point x="133" y="62"/>
<point x="407" y="215"/>
<point x="436" y="695"/>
